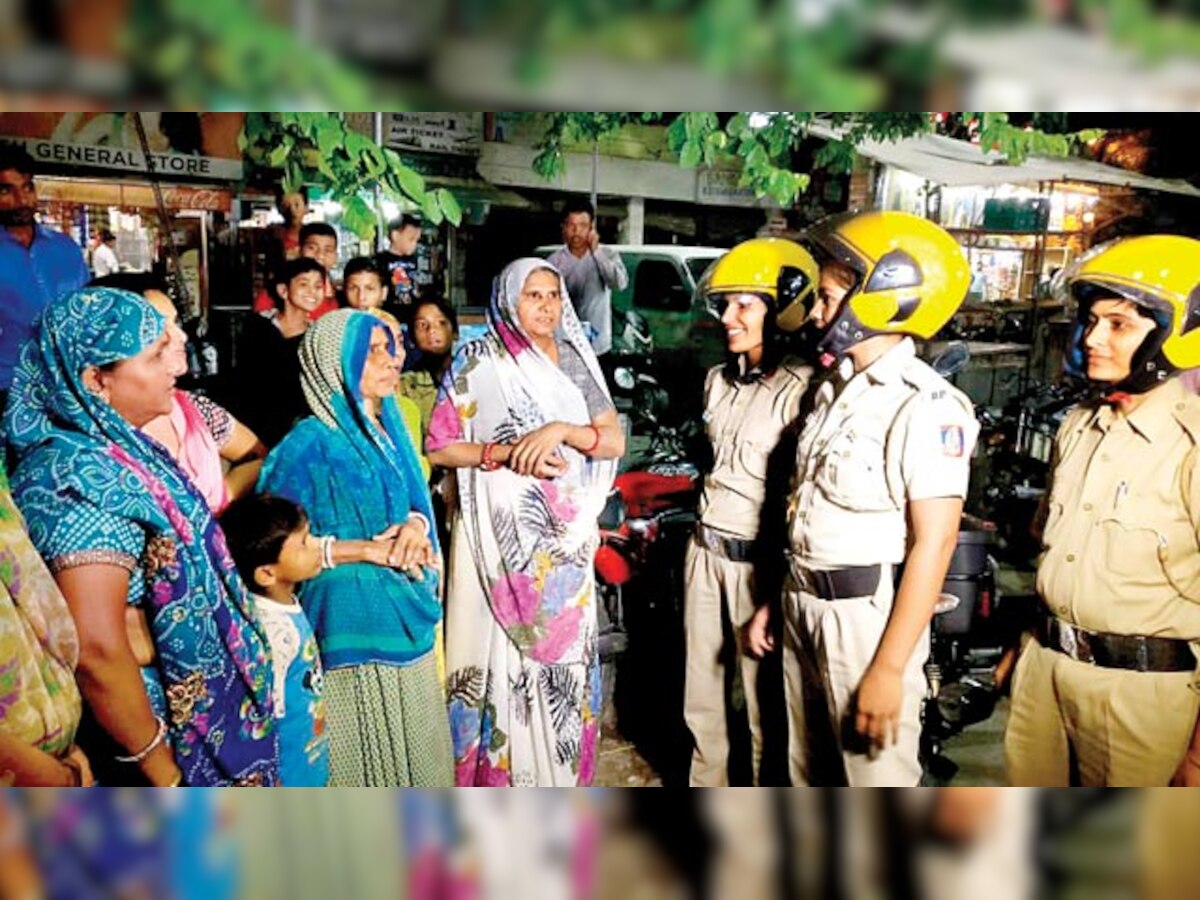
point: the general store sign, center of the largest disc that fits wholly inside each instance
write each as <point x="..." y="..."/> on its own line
<point x="191" y="145"/>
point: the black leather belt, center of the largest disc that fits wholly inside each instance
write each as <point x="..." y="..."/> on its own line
<point x="842" y="584"/>
<point x="733" y="549"/>
<point x="1117" y="651"/>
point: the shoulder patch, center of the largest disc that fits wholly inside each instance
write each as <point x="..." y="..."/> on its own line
<point x="953" y="442"/>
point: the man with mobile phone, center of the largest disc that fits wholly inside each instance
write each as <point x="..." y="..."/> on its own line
<point x="590" y="271"/>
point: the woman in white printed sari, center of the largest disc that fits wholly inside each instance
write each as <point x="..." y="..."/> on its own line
<point x="525" y="419"/>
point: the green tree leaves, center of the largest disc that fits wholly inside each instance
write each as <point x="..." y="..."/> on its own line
<point x="319" y="149"/>
<point x="763" y="144"/>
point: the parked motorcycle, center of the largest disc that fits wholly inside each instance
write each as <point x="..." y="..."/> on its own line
<point x="644" y="529"/>
<point x="642" y="507"/>
<point x="1014" y="463"/>
<point x="965" y="647"/>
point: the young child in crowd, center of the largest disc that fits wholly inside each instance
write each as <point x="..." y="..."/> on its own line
<point x="398" y="262"/>
<point x="364" y="284"/>
<point x="274" y="550"/>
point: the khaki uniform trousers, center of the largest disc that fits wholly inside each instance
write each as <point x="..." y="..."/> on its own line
<point x="827" y="648"/>
<point x="1075" y="723"/>
<point x="718" y="603"/>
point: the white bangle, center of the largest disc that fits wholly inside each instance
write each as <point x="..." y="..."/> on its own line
<point x="159" y="737"/>
<point x="327" y="561"/>
<point x="421" y="518"/>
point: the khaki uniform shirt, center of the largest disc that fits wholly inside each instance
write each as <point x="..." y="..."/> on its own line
<point x="1122" y="531"/>
<point x="745" y="423"/>
<point x="893" y="433"/>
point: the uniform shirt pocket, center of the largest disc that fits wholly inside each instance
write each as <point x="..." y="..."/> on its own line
<point x="1132" y="550"/>
<point x="754" y="458"/>
<point x="852" y="473"/>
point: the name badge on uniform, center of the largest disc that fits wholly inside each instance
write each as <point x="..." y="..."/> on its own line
<point x="952" y="441"/>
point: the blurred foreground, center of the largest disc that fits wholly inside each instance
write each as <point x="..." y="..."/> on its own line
<point x="671" y="54"/>
<point x="988" y="844"/>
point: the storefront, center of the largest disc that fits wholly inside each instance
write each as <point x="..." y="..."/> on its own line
<point x="94" y="174"/>
<point x="195" y="216"/>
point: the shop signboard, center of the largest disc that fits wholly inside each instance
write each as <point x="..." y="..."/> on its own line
<point x="719" y="187"/>
<point x="107" y="193"/>
<point x="182" y="145"/>
<point x="459" y="133"/>
<point x="1009" y="214"/>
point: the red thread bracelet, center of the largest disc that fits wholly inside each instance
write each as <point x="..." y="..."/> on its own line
<point x="588" y="451"/>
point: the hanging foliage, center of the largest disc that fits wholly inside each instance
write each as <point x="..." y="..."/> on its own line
<point x="762" y="144"/>
<point x="319" y="149"/>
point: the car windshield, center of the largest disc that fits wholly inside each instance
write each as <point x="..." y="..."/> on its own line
<point x="698" y="264"/>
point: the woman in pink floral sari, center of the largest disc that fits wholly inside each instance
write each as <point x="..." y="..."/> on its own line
<point x="525" y="419"/>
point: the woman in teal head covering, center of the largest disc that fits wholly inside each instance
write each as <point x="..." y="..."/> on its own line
<point x="121" y="526"/>
<point x="375" y="608"/>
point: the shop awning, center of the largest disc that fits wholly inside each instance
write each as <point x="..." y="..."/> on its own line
<point x="954" y="163"/>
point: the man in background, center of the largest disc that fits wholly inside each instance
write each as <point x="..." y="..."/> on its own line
<point x="104" y="257"/>
<point x="591" y="272"/>
<point x="36" y="263"/>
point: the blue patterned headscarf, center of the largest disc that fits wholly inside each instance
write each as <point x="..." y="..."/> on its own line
<point x="74" y="451"/>
<point x="333" y="356"/>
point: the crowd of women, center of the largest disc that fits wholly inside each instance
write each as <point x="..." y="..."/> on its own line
<point x="137" y="645"/>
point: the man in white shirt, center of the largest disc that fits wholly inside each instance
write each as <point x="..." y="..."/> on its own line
<point x="590" y="271"/>
<point x="104" y="257"/>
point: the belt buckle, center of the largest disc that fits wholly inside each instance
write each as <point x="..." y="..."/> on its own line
<point x="1074" y="643"/>
<point x="1066" y="639"/>
<point x="710" y="539"/>
<point x="1142" y="655"/>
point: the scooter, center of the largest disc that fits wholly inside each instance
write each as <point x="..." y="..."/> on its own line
<point x="642" y="507"/>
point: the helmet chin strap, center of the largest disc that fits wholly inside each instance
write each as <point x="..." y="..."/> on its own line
<point x="843" y="333"/>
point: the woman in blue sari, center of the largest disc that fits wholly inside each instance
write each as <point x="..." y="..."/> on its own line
<point x="123" y="530"/>
<point x="375" y="607"/>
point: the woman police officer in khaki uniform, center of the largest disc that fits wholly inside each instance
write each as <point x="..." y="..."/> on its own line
<point x="881" y="473"/>
<point x="760" y="291"/>
<point x="1106" y="694"/>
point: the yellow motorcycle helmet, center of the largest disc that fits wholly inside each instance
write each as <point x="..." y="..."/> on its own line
<point x="911" y="275"/>
<point x="779" y="271"/>
<point x="1158" y="272"/>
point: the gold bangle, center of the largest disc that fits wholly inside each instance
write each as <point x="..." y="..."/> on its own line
<point x="178" y="782"/>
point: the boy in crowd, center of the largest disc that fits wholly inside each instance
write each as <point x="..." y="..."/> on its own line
<point x="363" y="284"/>
<point x="319" y="242"/>
<point x="274" y="551"/>
<point x="398" y="263"/>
